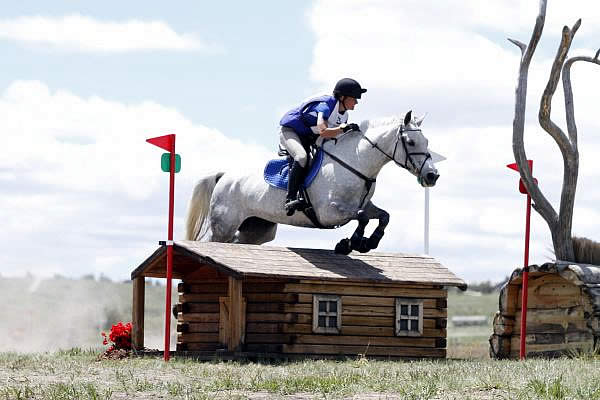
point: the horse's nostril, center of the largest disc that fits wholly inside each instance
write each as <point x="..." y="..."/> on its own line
<point x="432" y="177"/>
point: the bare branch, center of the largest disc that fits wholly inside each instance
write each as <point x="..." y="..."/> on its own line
<point x="521" y="45"/>
<point x="546" y="102"/>
<point x="543" y="206"/>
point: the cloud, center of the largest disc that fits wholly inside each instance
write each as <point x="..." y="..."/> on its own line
<point x="82" y="190"/>
<point x="85" y="34"/>
<point x="452" y="60"/>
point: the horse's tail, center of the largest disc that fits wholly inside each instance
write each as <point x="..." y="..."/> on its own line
<point x="196" y="226"/>
<point x="586" y="251"/>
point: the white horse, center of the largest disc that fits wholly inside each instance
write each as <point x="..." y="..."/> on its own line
<point x="246" y="209"/>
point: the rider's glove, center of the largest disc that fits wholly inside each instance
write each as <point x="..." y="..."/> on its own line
<point x="350" y="127"/>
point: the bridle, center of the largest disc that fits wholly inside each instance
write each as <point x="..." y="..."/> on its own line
<point x="402" y="137"/>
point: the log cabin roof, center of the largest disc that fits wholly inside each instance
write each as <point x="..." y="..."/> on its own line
<point x="243" y="260"/>
<point x="586" y="276"/>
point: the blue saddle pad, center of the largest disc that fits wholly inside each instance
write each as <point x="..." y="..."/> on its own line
<point x="277" y="171"/>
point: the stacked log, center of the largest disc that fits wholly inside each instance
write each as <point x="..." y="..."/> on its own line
<point x="560" y="317"/>
<point x="278" y="318"/>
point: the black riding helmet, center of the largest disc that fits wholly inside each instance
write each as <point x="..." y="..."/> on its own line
<point x="348" y="87"/>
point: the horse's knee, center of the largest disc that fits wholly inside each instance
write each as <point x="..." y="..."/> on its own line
<point x="384" y="218"/>
<point x="362" y="217"/>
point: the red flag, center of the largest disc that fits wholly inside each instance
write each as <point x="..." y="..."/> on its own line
<point x="516" y="167"/>
<point x="166" y="142"/>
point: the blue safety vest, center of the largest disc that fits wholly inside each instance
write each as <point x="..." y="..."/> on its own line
<point x="303" y="117"/>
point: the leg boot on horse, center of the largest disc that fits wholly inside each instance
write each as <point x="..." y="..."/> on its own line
<point x="292" y="202"/>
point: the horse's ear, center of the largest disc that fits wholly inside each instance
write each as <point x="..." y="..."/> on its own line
<point x="419" y="120"/>
<point x="407" y="118"/>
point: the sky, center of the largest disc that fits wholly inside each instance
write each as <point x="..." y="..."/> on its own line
<point x="83" y="84"/>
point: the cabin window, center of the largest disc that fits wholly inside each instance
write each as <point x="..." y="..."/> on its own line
<point x="409" y="317"/>
<point x="327" y="313"/>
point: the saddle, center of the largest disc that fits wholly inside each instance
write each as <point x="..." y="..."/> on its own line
<point x="276" y="172"/>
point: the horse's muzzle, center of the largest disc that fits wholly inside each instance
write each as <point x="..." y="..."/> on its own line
<point x="430" y="179"/>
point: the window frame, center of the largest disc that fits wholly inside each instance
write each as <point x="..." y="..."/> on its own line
<point x="400" y="301"/>
<point x="316" y="313"/>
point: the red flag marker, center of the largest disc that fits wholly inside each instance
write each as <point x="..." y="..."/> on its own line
<point x="525" y="283"/>
<point x="167" y="142"/>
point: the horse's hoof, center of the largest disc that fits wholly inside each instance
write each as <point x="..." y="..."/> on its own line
<point x="343" y="247"/>
<point x="364" y="246"/>
<point x="372" y="243"/>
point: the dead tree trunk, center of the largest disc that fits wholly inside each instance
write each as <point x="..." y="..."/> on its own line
<point x="560" y="224"/>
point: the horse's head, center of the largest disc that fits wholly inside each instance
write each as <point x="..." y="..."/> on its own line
<point x="412" y="152"/>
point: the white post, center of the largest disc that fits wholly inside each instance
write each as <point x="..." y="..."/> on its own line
<point x="426" y="229"/>
<point x="435" y="157"/>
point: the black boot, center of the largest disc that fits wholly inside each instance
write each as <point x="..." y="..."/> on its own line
<point x="296" y="178"/>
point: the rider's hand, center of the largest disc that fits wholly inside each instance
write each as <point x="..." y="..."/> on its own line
<point x="350" y="127"/>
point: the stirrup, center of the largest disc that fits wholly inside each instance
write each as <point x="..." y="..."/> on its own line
<point x="293" y="205"/>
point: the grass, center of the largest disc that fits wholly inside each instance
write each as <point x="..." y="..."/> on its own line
<point x="78" y="375"/>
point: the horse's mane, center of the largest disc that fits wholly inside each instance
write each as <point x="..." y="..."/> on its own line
<point x="380" y="122"/>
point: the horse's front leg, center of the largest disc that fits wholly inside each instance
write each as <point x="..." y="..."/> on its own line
<point x="383" y="216"/>
<point x="358" y="240"/>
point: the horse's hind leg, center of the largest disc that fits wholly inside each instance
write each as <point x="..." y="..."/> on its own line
<point x="223" y="226"/>
<point x="256" y="230"/>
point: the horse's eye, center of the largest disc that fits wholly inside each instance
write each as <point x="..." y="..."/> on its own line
<point x="410" y="142"/>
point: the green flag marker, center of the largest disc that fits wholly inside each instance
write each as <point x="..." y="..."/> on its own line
<point x="165" y="162"/>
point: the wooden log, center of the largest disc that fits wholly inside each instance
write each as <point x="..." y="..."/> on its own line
<point x="203" y="288"/>
<point x="198" y="317"/>
<point x="508" y="299"/>
<point x="277" y="327"/>
<point x="554" y="328"/>
<point x="200" y="298"/>
<point x="503" y="325"/>
<point x="537" y="300"/>
<point x="279" y="317"/>
<point x="197" y="337"/>
<point x="224" y="326"/>
<point x="556" y="349"/>
<point x="279" y="307"/>
<point x="339" y="340"/>
<point x="374" y="301"/>
<point x="236" y="314"/>
<point x="416" y="352"/>
<point x="500" y="346"/>
<point x="364" y="290"/>
<point x="553" y="338"/>
<point x="209" y="327"/>
<point x="201" y="307"/>
<point x="198" y="346"/>
<point x="137" y="317"/>
<point x="271" y="297"/>
<point x="265" y="327"/>
<point x="553" y="315"/>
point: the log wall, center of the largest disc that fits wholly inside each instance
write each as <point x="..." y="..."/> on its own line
<point x="559" y="318"/>
<point x="278" y="318"/>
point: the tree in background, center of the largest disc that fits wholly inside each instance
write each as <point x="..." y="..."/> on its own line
<point x="566" y="247"/>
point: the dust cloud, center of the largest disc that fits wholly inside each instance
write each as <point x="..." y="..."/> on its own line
<point x="39" y="315"/>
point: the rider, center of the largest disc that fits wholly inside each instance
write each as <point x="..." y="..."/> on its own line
<point x="323" y="116"/>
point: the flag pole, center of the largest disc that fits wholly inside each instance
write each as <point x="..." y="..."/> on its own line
<point x="426" y="229"/>
<point x="170" y="252"/>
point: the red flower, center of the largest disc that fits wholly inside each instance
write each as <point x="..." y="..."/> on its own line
<point x="120" y="336"/>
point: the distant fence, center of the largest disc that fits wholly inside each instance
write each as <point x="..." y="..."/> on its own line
<point x="469" y="320"/>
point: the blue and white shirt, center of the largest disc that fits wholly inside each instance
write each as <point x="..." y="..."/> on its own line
<point x="303" y="119"/>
